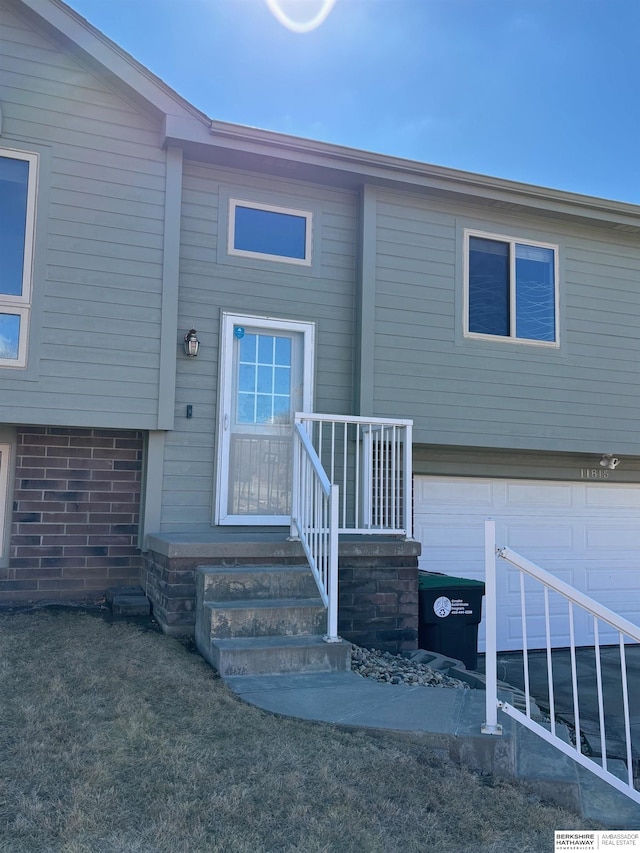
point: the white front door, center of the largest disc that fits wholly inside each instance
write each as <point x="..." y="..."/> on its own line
<point x="266" y="376"/>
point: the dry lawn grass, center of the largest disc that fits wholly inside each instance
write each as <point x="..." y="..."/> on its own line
<point x="117" y="739"/>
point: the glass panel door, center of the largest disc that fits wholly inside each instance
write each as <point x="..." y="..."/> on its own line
<point x="266" y="376"/>
<point x="267" y="392"/>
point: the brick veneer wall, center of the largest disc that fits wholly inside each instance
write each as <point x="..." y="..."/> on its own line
<point x="170" y="586"/>
<point x="378" y="603"/>
<point x="75" y="519"/>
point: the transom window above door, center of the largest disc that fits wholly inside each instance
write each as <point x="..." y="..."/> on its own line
<point x="511" y="289"/>
<point x="270" y="233"/>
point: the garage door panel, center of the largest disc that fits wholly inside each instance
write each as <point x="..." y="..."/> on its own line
<point x="511" y="624"/>
<point x="586" y="534"/>
<point x="560" y="537"/>
<point x="536" y="622"/>
<point x="530" y="495"/>
<point x="606" y="636"/>
<point x="464" y="568"/>
<point x="613" y="538"/>
<point x="612" y="497"/>
<point x="437" y="494"/>
<point x="533" y="591"/>
<point x="464" y="534"/>
<point x="468" y="567"/>
<point x="607" y="584"/>
<point x="536" y="633"/>
<point x="631" y="614"/>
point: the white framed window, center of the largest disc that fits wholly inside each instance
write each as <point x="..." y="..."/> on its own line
<point x="18" y="173"/>
<point x="511" y="289"/>
<point x="268" y="232"/>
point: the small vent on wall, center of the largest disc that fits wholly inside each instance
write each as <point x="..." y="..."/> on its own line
<point x="504" y="205"/>
<point x="280" y="163"/>
<point x="630" y="229"/>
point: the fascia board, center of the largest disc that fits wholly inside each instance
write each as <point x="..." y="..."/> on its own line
<point x="72" y="27"/>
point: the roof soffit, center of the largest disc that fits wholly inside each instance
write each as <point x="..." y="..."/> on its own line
<point x="276" y="154"/>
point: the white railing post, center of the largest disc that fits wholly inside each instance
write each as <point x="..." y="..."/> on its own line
<point x="316" y="507"/>
<point x="408" y="481"/>
<point x="295" y="485"/>
<point x="491" y="725"/>
<point x="332" y="614"/>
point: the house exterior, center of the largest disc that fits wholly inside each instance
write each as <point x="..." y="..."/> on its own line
<point x="499" y="318"/>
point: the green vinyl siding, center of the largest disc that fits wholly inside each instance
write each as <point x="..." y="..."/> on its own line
<point x="212" y="282"/>
<point x="94" y="338"/>
<point x="580" y="397"/>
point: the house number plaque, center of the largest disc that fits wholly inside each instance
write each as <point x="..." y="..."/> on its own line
<point x="593" y="474"/>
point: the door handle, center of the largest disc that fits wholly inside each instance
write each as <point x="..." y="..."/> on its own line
<point x="226" y="422"/>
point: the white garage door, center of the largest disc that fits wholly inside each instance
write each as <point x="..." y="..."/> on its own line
<point x="586" y="533"/>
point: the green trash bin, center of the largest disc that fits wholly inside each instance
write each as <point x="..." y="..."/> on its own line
<point x="450" y="610"/>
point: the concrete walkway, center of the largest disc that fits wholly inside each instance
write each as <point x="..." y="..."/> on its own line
<point x="451" y="720"/>
<point x="348" y="699"/>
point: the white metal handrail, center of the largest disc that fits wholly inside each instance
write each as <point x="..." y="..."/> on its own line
<point x="314" y="520"/>
<point x="370" y="459"/>
<point x="626" y="631"/>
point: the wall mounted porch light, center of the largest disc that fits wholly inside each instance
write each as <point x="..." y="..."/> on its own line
<point x="609" y="461"/>
<point x="191" y="343"/>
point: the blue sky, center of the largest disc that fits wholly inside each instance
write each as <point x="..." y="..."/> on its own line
<point x="541" y="91"/>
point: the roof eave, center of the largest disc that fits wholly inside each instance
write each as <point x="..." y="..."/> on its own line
<point x="370" y="167"/>
<point x="72" y="28"/>
<point x="187" y="126"/>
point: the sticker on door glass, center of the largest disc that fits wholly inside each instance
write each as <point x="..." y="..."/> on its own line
<point x="442" y="606"/>
<point x="238" y="331"/>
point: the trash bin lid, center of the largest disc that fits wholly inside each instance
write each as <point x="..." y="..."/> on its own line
<point x="435" y="580"/>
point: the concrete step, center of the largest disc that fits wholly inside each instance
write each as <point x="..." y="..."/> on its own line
<point x="260" y="582"/>
<point x="111" y="593"/>
<point x="263" y="618"/>
<point x="127" y="601"/>
<point x="602" y="802"/>
<point x="252" y="656"/>
<point x="557" y="777"/>
<point x="130" y="605"/>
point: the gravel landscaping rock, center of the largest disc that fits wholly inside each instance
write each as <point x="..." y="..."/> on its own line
<point x="394" y="669"/>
